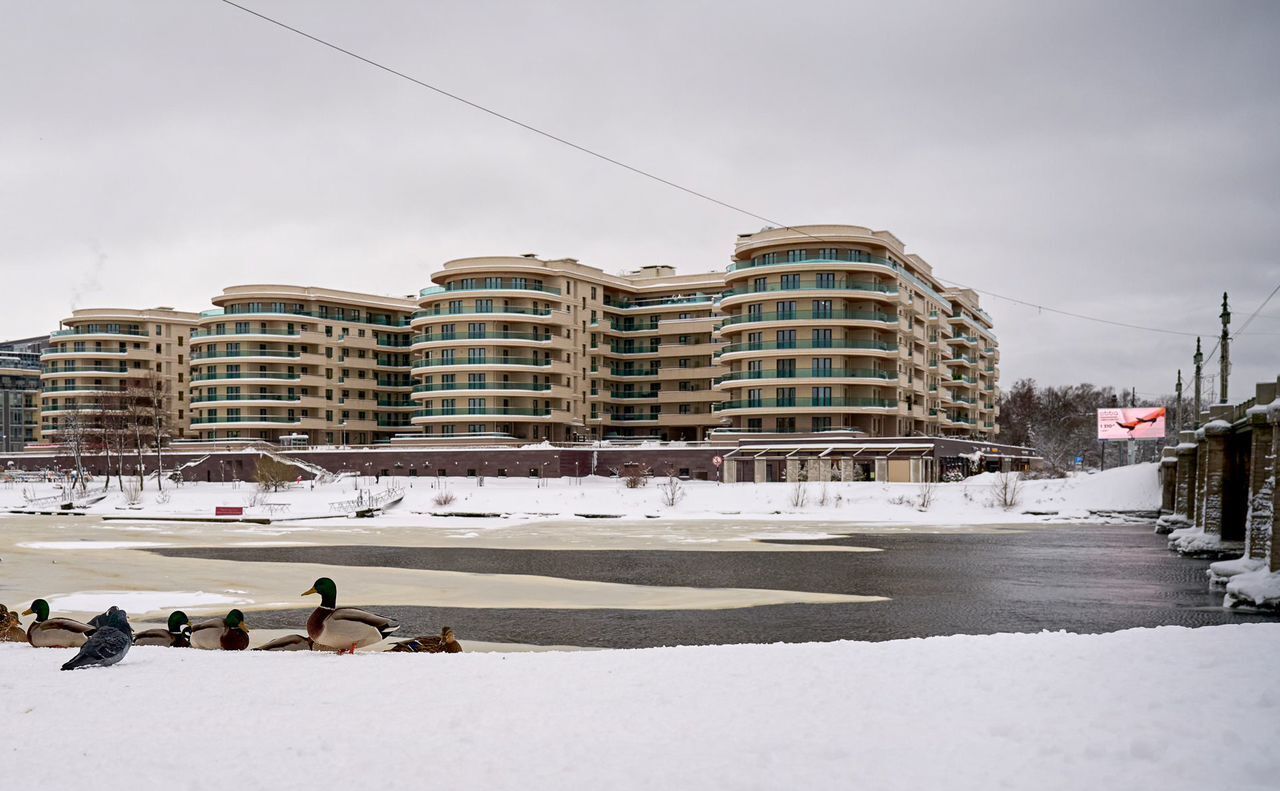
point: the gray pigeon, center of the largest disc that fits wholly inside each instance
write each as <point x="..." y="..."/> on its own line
<point x="107" y="644"/>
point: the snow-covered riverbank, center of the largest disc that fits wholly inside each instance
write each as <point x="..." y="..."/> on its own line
<point x="971" y="502"/>
<point x="1046" y="711"/>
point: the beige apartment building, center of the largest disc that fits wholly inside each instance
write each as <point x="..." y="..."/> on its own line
<point x="835" y="327"/>
<point x="811" y="329"/>
<point x="297" y="363"/>
<point x="99" y="354"/>
<point x="536" y="349"/>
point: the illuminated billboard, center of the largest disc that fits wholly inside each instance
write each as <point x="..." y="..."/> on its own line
<point x="1134" y="423"/>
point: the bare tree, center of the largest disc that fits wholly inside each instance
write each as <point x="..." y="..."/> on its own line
<point x="672" y="489"/>
<point x="74" y="430"/>
<point x="273" y="475"/>
<point x="157" y="412"/>
<point x="1006" y="491"/>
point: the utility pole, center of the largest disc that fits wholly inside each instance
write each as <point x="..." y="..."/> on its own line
<point x="1199" y="361"/>
<point x="1224" y="358"/>
<point x="1177" y="405"/>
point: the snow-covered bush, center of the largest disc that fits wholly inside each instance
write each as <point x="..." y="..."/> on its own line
<point x="132" y="492"/>
<point x="952" y="476"/>
<point x="672" y="490"/>
<point x="443" y="498"/>
<point x="924" y="495"/>
<point x="799" y="494"/>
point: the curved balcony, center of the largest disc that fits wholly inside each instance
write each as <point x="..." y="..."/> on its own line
<point x="807" y="404"/>
<point x="86" y="388"/>
<point x="247" y="376"/>
<point x="423" y="367"/>
<point x="845" y="259"/>
<point x="423" y="390"/>
<point x="241" y="421"/>
<point x="294" y="315"/>
<point x="735" y="350"/>
<point x="497" y="336"/>
<point x="660" y="303"/>
<point x="822" y="316"/>
<point x="89" y="370"/>
<point x="245" y="398"/>
<point x="207" y="336"/>
<point x="834" y="375"/>
<point x="57" y="355"/>
<point x="812" y="289"/>
<point x="246" y="354"/>
<point x="422" y="318"/>
<point x="496" y="412"/>
<point x="516" y="286"/>
<point x="86" y="334"/>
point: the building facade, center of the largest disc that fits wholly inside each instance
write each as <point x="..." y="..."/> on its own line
<point x="838" y="328"/>
<point x="20" y="392"/>
<point x="315" y="365"/>
<point x="101" y="355"/>
<point x="810" y="329"/>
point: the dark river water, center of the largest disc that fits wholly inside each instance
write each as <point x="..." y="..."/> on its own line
<point x="1081" y="578"/>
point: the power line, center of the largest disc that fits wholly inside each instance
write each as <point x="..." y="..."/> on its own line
<point x="644" y="173"/>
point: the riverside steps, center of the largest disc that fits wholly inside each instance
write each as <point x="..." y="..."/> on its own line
<point x="1219" y="481"/>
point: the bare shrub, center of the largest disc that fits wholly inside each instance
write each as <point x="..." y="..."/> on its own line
<point x="273" y="475"/>
<point x="900" y="499"/>
<point x="163" y="498"/>
<point x="635" y="476"/>
<point x="824" y="496"/>
<point x="443" y="498"/>
<point x="133" y="491"/>
<point x="672" y="489"/>
<point x="799" y="495"/>
<point x="1006" y="491"/>
<point x="925" y="494"/>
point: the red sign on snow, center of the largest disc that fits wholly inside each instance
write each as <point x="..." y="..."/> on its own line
<point x="228" y="510"/>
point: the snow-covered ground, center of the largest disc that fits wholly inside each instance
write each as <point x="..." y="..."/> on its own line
<point x="1046" y="711"/>
<point x="967" y="503"/>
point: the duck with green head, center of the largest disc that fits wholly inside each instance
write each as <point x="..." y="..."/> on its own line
<point x="176" y="635"/>
<point x="49" y="632"/>
<point x="344" y="628"/>
<point x="227" y="634"/>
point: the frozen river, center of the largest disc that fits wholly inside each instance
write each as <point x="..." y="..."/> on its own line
<point x="610" y="583"/>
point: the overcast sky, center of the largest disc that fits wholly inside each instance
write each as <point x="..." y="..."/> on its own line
<point x="1114" y="159"/>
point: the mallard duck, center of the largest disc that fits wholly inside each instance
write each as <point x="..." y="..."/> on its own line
<point x="227" y="634"/>
<point x="49" y="632"/>
<point x="177" y="635"/>
<point x="443" y="643"/>
<point x="346" y="628"/>
<point x="11" y="630"/>
<point x="290" y="642"/>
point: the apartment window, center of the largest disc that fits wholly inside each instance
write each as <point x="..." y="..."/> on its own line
<point x="786" y="310"/>
<point x="786" y="368"/>
<point x="796" y="255"/>
<point x="786" y="339"/>
<point x="786" y="396"/>
<point x="760" y="284"/>
<point x="755" y="397"/>
<point x="822" y="424"/>
<point x="790" y="282"/>
<point x="821" y="396"/>
<point x="822" y="366"/>
<point x="484" y="306"/>
<point x="822" y="339"/>
<point x="822" y="309"/>
<point x="825" y="280"/>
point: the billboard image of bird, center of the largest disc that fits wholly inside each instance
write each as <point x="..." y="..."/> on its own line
<point x="1131" y="423"/>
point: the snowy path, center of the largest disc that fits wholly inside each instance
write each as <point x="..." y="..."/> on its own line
<point x="1048" y="711"/>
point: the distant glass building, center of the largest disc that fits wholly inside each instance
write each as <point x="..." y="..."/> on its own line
<point x="20" y="392"/>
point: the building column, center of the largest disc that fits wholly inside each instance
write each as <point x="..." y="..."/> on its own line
<point x="1215" y="483"/>
<point x="1185" y="499"/>
<point x="1273" y="417"/>
<point x="729" y="471"/>
<point x="917" y="470"/>
<point x="1168" y="480"/>
<point x="882" y="470"/>
<point x="1262" y="470"/>
<point x="793" y="470"/>
<point x="811" y="470"/>
<point x="824" y="470"/>
<point x="846" y="469"/>
<point x="761" y="473"/>
<point x="1202" y="465"/>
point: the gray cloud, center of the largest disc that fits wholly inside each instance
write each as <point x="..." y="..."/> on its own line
<point x="1116" y="160"/>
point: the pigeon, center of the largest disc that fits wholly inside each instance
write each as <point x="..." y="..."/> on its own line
<point x="109" y="642"/>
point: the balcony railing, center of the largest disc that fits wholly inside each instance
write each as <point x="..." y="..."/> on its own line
<point x="460" y="361"/>
<point x="377" y="321"/>
<point x="208" y="377"/>
<point x="488" y="285"/>
<point x="786" y="403"/>
<point x="811" y="373"/>
<point x="450" y="386"/>
<point x="197" y="334"/>
<point x="212" y="354"/>
<point x="810" y="315"/>
<point x="197" y="421"/>
<point x="467" y="411"/>
<point x="845" y="344"/>
<point x="637" y="304"/>
<point x="89" y="370"/>
<point x="815" y="285"/>
<point x="481" y="336"/>
<point x="497" y="309"/>
<point x="87" y="331"/>
<point x="204" y="399"/>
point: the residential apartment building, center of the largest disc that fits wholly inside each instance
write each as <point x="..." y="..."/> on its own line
<point x="811" y="329"/>
<point x="834" y="327"/>
<point x="20" y="392"/>
<point x="101" y="353"/>
<point x="536" y="349"/>
<point x="318" y="365"/>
